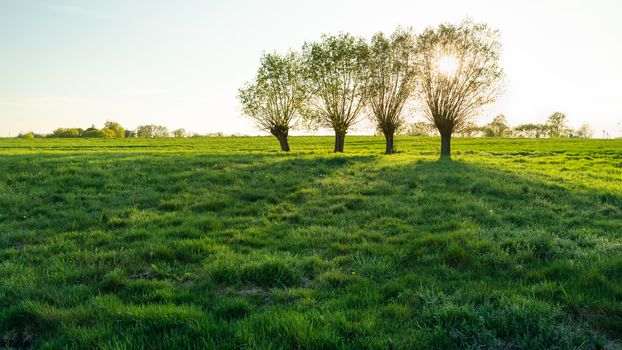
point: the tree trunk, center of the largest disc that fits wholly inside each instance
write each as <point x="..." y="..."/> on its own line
<point x="283" y="141"/>
<point x="445" y="146"/>
<point x="340" y="139"/>
<point x="389" y="138"/>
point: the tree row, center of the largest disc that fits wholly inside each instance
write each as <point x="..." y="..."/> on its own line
<point x="448" y="72"/>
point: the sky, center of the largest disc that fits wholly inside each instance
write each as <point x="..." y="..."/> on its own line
<point x="179" y="63"/>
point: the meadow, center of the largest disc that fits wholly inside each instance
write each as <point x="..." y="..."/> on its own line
<point x="226" y="243"/>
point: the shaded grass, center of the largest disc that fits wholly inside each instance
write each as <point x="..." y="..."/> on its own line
<point x="222" y="243"/>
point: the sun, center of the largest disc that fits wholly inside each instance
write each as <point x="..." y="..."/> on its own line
<point x="447" y="65"/>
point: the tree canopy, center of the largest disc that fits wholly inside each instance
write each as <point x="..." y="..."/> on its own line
<point x="119" y="131"/>
<point x="392" y="80"/>
<point x="276" y="96"/>
<point x="459" y="73"/>
<point x="151" y="131"/>
<point x="557" y="125"/>
<point x="336" y="68"/>
<point x="498" y="127"/>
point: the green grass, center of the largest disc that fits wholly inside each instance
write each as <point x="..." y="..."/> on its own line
<point x="225" y="243"/>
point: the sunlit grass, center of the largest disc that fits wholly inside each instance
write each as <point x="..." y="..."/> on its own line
<point x="226" y="243"/>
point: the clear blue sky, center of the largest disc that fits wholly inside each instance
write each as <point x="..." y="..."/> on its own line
<point x="179" y="63"/>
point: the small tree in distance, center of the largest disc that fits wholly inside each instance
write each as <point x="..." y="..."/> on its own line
<point x="498" y="127"/>
<point x="460" y="73"/>
<point x="530" y="130"/>
<point x="276" y="95"/>
<point x="180" y="133"/>
<point x="557" y="125"/>
<point x="151" y="131"/>
<point x="470" y="129"/>
<point x="119" y="131"/>
<point x="391" y="81"/>
<point x="336" y="69"/>
<point x="585" y="131"/>
<point x="145" y="131"/>
<point x="420" y="128"/>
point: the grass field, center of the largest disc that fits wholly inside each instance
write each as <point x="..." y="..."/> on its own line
<point x="225" y="243"/>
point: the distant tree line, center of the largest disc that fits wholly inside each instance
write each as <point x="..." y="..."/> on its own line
<point x="556" y="126"/>
<point x="111" y="130"/>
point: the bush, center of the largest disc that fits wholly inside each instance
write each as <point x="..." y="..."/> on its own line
<point x="110" y="134"/>
<point x="66" y="133"/>
<point x="27" y="136"/>
<point x="101" y="134"/>
<point x="119" y="131"/>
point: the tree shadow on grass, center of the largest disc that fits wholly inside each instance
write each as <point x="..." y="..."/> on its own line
<point x="58" y="193"/>
<point x="484" y="232"/>
<point x="482" y="237"/>
<point x="484" y="252"/>
<point x="131" y="225"/>
<point x="448" y="252"/>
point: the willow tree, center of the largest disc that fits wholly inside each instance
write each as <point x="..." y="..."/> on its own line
<point x="276" y="95"/>
<point x="336" y="69"/>
<point x="392" y="73"/>
<point x="459" y="73"/>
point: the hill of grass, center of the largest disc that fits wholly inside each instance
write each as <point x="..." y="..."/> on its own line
<point x="225" y="243"/>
